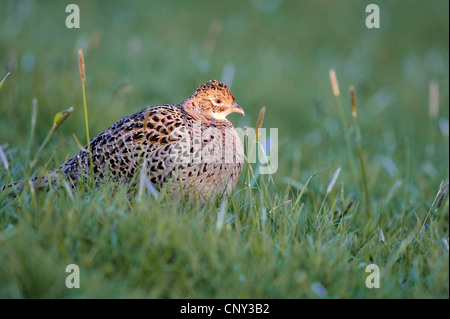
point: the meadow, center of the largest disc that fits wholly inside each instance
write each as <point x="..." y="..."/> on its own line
<point x="298" y="233"/>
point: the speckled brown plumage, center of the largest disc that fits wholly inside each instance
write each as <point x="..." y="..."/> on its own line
<point x="192" y="142"/>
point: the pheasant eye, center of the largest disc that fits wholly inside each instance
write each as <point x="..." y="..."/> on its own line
<point x="219" y="101"/>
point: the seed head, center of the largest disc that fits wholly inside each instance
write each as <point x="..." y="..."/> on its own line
<point x="334" y="83"/>
<point x="260" y="120"/>
<point x="353" y="101"/>
<point x="81" y="63"/>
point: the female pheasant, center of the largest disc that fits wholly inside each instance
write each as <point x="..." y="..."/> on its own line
<point x="191" y="143"/>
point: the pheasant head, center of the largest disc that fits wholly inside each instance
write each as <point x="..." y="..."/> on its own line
<point x="212" y="101"/>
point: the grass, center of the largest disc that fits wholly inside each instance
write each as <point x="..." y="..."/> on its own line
<point x="306" y="231"/>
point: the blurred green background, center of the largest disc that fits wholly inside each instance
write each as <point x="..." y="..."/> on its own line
<point x="278" y="54"/>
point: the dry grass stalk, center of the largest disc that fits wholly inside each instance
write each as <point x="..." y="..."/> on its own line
<point x="3" y="81"/>
<point x="333" y="180"/>
<point x="353" y="101"/>
<point x="433" y="106"/>
<point x="81" y="64"/>
<point x="83" y="80"/>
<point x="260" y="121"/>
<point x="334" y="83"/>
<point x="343" y="119"/>
<point x="4" y="159"/>
<point x="360" y="150"/>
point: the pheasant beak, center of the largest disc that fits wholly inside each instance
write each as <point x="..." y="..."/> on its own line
<point x="236" y="108"/>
